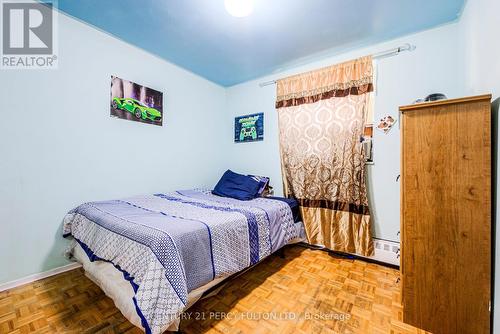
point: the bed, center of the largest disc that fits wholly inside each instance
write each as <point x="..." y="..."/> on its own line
<point x="156" y="255"/>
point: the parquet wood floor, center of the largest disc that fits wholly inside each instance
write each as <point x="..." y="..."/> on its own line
<point x="310" y="291"/>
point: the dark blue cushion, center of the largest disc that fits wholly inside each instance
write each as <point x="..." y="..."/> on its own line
<point x="237" y="186"/>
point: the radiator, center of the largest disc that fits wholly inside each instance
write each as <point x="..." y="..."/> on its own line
<point x="386" y="251"/>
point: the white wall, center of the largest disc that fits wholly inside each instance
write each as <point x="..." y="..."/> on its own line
<point x="481" y="50"/>
<point x="480" y="37"/>
<point x="59" y="146"/>
<point x="432" y="67"/>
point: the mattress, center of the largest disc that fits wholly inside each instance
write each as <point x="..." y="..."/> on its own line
<point x="113" y="284"/>
<point x="171" y="247"/>
<point x="116" y="287"/>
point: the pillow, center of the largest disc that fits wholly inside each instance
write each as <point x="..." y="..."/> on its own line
<point x="263" y="183"/>
<point x="237" y="186"/>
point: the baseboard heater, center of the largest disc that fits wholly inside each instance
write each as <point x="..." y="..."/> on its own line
<point x="385" y="251"/>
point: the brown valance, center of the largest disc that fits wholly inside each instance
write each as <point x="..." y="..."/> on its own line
<point x="354" y="77"/>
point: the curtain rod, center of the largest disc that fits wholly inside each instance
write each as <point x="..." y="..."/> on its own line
<point x="383" y="54"/>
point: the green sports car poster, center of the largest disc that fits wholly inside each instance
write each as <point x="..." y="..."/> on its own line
<point x="135" y="102"/>
<point x="249" y="128"/>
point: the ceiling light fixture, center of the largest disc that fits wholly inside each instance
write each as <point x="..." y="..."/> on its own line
<point x="239" y="8"/>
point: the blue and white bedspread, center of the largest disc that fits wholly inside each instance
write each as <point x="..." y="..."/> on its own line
<point x="170" y="244"/>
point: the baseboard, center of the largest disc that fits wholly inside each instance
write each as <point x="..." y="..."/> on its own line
<point x="39" y="276"/>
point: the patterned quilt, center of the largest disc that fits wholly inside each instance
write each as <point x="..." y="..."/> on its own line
<point x="167" y="245"/>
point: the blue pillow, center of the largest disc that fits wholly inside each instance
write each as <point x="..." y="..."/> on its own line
<point x="237" y="186"/>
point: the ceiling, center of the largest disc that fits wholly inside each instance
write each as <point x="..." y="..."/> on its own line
<point x="199" y="35"/>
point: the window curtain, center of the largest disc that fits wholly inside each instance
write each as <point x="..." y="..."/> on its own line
<point x="321" y="117"/>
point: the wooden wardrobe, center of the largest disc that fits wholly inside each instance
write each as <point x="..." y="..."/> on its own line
<point x="446" y="215"/>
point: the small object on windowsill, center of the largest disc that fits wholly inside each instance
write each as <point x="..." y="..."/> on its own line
<point x="431" y="97"/>
<point x="369" y="163"/>
<point x="435" y="97"/>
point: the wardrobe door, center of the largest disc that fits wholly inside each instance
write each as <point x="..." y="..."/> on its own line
<point x="446" y="215"/>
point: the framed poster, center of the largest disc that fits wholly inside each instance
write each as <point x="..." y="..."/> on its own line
<point x="249" y="128"/>
<point x="135" y="102"/>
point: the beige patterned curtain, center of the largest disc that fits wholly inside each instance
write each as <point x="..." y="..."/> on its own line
<point x="322" y="115"/>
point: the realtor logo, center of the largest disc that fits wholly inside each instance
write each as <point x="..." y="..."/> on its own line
<point x="28" y="34"/>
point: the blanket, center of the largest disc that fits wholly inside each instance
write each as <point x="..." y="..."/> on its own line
<point x="169" y="244"/>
